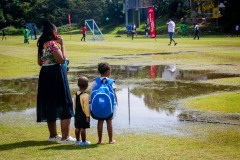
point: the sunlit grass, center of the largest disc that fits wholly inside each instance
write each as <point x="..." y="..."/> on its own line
<point x="228" y="102"/>
<point x="30" y="143"/>
<point x="224" y="81"/>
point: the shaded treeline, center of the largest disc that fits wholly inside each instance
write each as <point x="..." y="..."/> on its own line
<point x="19" y="12"/>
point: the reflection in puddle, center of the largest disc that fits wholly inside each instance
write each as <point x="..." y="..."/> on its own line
<point x="125" y="57"/>
<point x="161" y="53"/>
<point x="148" y="95"/>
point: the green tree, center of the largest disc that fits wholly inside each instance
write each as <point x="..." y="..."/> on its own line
<point x="53" y="10"/>
<point x="11" y="13"/>
<point x="114" y="11"/>
<point x="231" y="16"/>
<point x="172" y="8"/>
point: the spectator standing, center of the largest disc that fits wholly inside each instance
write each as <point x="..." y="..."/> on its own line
<point x="237" y="30"/>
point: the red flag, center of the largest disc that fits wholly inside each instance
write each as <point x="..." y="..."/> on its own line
<point x="153" y="71"/>
<point x="151" y="22"/>
<point x="69" y="18"/>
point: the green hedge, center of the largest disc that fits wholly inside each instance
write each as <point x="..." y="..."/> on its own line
<point x="13" y="31"/>
<point x="65" y="28"/>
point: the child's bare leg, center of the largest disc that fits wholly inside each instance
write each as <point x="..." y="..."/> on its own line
<point x="100" y="129"/>
<point x="77" y="134"/>
<point x="83" y="134"/>
<point x="52" y="129"/>
<point x="110" y="131"/>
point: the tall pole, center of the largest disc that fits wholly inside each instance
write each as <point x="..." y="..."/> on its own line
<point x="126" y="12"/>
<point x="129" y="116"/>
<point x="218" y="13"/>
<point x="69" y="18"/>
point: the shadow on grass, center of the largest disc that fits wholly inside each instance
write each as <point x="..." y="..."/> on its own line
<point x="25" y="144"/>
<point x="70" y="147"/>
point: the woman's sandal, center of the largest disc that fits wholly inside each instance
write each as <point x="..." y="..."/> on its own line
<point x="100" y="142"/>
<point x="112" y="142"/>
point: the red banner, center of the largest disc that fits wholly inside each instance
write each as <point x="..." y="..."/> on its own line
<point x="69" y="18"/>
<point x="153" y="71"/>
<point x="151" y="22"/>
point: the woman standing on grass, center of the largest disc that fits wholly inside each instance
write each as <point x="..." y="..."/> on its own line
<point x="54" y="99"/>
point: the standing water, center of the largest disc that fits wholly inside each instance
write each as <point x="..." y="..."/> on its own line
<point x="148" y="96"/>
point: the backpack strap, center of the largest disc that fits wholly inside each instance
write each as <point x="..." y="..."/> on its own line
<point x="110" y="81"/>
<point x="82" y="93"/>
<point x="98" y="80"/>
<point x="104" y="79"/>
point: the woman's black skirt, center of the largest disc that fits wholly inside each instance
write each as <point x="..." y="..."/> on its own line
<point x="54" y="99"/>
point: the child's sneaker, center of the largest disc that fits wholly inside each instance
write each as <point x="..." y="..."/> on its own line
<point x="78" y="142"/>
<point x="169" y="44"/>
<point x="85" y="143"/>
<point x="68" y="140"/>
<point x="56" y="138"/>
<point x="175" y="44"/>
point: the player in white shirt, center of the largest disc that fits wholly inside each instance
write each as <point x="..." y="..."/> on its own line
<point x="171" y="31"/>
<point x="196" y="31"/>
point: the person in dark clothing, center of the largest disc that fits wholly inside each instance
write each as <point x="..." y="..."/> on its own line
<point x="82" y="112"/>
<point x="35" y="32"/>
<point x="133" y="30"/>
<point x="4" y="34"/>
<point x="196" y="31"/>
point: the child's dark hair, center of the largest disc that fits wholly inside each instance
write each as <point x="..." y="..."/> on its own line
<point x="103" y="67"/>
<point x="83" y="82"/>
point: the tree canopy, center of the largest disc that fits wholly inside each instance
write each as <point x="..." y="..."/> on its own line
<point x="19" y="12"/>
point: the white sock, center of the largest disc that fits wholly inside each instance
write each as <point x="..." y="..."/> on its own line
<point x="146" y="34"/>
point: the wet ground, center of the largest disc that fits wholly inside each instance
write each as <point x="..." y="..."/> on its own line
<point x="149" y="97"/>
<point x="124" y="57"/>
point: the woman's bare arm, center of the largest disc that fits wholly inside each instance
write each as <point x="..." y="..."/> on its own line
<point x="115" y="95"/>
<point x="39" y="61"/>
<point x="60" y="55"/>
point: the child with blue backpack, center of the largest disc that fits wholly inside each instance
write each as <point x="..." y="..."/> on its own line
<point x="82" y="112"/>
<point x="103" y="101"/>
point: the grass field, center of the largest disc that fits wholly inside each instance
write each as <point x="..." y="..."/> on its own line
<point x="18" y="59"/>
<point x="20" y="140"/>
<point x="30" y="143"/>
<point x="222" y="103"/>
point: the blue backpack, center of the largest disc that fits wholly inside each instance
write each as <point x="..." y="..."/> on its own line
<point x="102" y="99"/>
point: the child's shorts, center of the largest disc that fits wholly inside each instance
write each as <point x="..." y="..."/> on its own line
<point x="81" y="124"/>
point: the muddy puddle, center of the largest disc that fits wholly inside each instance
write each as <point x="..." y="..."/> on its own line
<point x="124" y="57"/>
<point x="152" y="54"/>
<point x="148" y="96"/>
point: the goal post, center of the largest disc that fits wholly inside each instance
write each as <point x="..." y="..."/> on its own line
<point x="93" y="32"/>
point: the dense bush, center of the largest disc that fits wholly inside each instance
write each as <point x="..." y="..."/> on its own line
<point x="65" y="28"/>
<point x="14" y="31"/>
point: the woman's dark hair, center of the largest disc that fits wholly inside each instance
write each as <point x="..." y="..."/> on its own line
<point x="103" y="67"/>
<point x="47" y="34"/>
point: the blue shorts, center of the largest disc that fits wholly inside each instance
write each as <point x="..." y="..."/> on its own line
<point x="171" y="35"/>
